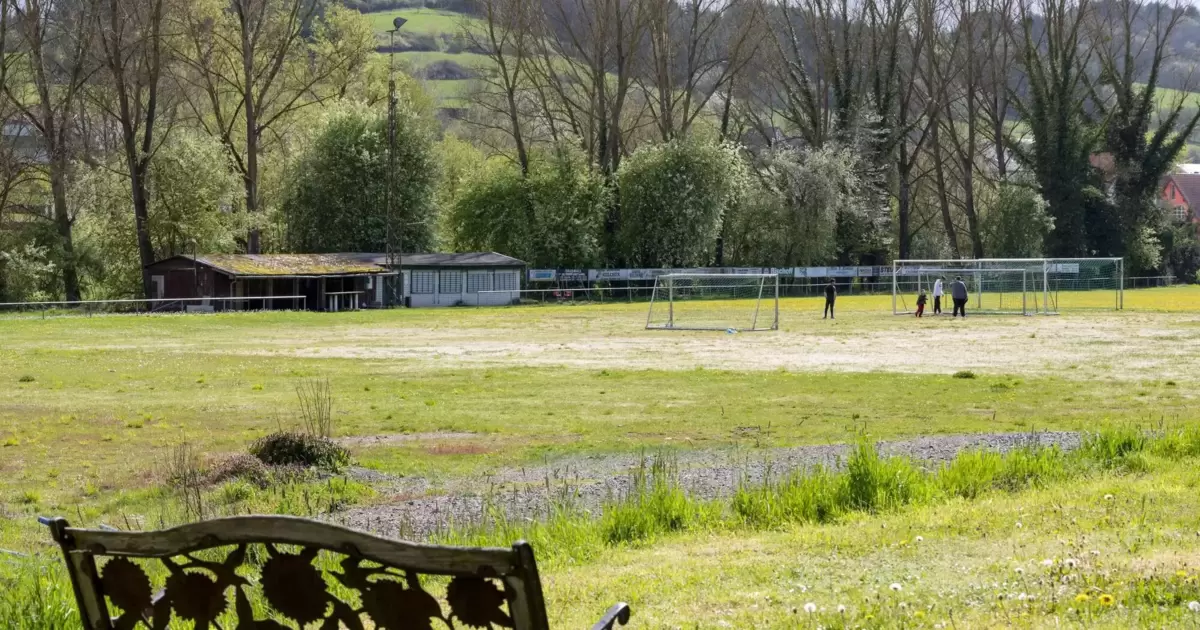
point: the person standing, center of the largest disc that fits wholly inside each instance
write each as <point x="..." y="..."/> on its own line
<point x="921" y="299"/>
<point x="830" y="298"/>
<point x="958" y="292"/>
<point x="937" y="296"/>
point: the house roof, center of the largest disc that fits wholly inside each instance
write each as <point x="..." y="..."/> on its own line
<point x="287" y="264"/>
<point x="468" y="259"/>
<point x="1189" y="187"/>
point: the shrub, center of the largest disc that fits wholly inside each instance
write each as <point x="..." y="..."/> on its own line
<point x="967" y="374"/>
<point x="288" y="448"/>
<point x="238" y="467"/>
<point x="26" y="379"/>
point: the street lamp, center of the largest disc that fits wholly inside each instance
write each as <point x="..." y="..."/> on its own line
<point x="395" y="257"/>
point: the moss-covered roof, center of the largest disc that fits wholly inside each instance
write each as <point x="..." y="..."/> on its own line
<point x="288" y="264"/>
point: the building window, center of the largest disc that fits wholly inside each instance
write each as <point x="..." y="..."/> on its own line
<point x="451" y="282"/>
<point x="506" y="281"/>
<point x="478" y="281"/>
<point x="422" y="282"/>
<point x="1180" y="214"/>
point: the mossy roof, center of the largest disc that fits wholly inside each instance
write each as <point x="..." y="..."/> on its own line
<point x="288" y="264"/>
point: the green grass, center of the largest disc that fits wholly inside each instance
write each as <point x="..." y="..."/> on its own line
<point x="91" y="408"/>
<point x="423" y="21"/>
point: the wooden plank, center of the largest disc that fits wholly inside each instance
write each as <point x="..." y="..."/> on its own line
<point x="432" y="559"/>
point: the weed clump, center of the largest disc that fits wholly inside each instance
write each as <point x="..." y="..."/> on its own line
<point x="238" y="467"/>
<point x="26" y="379"/>
<point x="965" y="374"/>
<point x="289" y="448"/>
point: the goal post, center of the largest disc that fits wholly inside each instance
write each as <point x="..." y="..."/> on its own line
<point x="699" y="301"/>
<point x="1016" y="285"/>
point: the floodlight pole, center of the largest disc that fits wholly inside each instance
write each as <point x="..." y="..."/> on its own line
<point x="394" y="255"/>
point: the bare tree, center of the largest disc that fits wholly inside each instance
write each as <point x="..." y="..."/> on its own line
<point x="133" y="53"/>
<point x="506" y="35"/>
<point x="696" y="49"/>
<point x="251" y="65"/>
<point x="54" y="39"/>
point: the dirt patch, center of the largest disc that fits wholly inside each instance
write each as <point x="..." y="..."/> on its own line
<point x="457" y="449"/>
<point x="392" y="439"/>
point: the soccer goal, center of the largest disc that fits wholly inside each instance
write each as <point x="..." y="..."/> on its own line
<point x="694" y="301"/>
<point x="1024" y="286"/>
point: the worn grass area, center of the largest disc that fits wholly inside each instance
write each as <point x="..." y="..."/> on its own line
<point x="964" y="564"/>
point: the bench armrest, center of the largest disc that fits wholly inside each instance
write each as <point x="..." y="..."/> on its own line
<point x="618" y="614"/>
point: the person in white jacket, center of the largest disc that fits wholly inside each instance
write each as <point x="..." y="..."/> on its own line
<point x="937" y="296"/>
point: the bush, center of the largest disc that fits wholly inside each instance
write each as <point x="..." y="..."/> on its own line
<point x="966" y="374"/>
<point x="288" y="448"/>
<point x="238" y="467"/>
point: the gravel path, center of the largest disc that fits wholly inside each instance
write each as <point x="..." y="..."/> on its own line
<point x="416" y="508"/>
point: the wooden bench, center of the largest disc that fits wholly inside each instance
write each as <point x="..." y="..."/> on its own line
<point x="259" y="569"/>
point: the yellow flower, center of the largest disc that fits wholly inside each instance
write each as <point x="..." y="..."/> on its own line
<point x="1107" y="600"/>
<point x="1082" y="598"/>
<point x="1181" y="574"/>
<point x="920" y="614"/>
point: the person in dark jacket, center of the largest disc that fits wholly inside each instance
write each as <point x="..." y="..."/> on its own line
<point x="921" y="299"/>
<point x="958" y="292"/>
<point x="830" y="298"/>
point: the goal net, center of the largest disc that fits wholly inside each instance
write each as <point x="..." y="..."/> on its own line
<point x="741" y="302"/>
<point x="1025" y="286"/>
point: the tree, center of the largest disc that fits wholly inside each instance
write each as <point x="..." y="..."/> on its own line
<point x="132" y="52"/>
<point x="673" y="199"/>
<point x="252" y="63"/>
<point x="551" y="216"/>
<point x="1015" y="223"/>
<point x="336" y="199"/>
<point x="188" y="192"/>
<point x="51" y="64"/>
<point x="1126" y="36"/>
<point x="1064" y="135"/>
<point x="790" y="218"/>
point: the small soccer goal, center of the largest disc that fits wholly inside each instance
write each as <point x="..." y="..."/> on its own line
<point x="691" y="301"/>
<point x="1020" y="286"/>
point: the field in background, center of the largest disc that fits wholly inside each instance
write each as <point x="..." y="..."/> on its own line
<point x="90" y="408"/>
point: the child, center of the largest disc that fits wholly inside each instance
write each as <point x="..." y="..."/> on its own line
<point x="921" y="299"/>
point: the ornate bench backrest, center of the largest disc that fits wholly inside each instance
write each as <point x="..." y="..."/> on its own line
<point x="255" y="571"/>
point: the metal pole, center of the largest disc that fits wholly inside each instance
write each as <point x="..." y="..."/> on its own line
<point x="1045" y="288"/>
<point x="1024" y="288"/>
<point x="894" y="287"/>
<point x="776" y="326"/>
<point x="670" y="302"/>
<point x="394" y="237"/>
<point x="1121" y="285"/>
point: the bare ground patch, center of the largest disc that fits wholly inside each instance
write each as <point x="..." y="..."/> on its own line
<point x="392" y="439"/>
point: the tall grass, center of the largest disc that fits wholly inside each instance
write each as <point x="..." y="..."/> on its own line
<point x="34" y="590"/>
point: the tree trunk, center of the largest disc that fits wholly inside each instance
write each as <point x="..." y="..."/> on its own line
<point x="62" y="221"/>
<point x="251" y="175"/>
<point x="904" y="202"/>
<point x="943" y="194"/>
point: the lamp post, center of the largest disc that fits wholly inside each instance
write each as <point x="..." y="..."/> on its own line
<point x="395" y="257"/>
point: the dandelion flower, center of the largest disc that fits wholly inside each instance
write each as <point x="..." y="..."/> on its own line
<point x="1082" y="598"/>
<point x="1181" y="574"/>
<point x="896" y="586"/>
<point x="1108" y="497"/>
<point x="1022" y="597"/>
<point x="1020" y="571"/>
<point x="1019" y="525"/>
<point x="903" y="605"/>
<point x="1047" y="562"/>
<point x="1194" y="606"/>
<point x="841" y="609"/>
<point x="1107" y="600"/>
<point x="1071" y="563"/>
<point x="810" y="608"/>
<point x="920" y="539"/>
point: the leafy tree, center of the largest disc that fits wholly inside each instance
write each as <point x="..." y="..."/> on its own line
<point x="337" y="201"/>
<point x="189" y="190"/>
<point x="1015" y="223"/>
<point x="554" y="216"/>
<point x="1181" y="252"/>
<point x="791" y="217"/>
<point x="673" y="197"/>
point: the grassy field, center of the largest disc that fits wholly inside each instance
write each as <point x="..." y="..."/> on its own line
<point x="91" y="407"/>
<point x="424" y="21"/>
